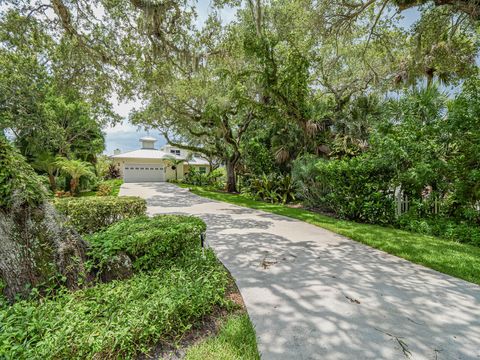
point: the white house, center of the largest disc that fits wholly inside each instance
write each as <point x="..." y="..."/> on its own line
<point x="148" y="164"/>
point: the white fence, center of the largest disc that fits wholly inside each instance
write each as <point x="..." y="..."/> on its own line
<point x="402" y="204"/>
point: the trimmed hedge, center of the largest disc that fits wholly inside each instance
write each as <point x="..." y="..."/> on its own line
<point x="357" y="189"/>
<point x="91" y="214"/>
<point x="147" y="241"/>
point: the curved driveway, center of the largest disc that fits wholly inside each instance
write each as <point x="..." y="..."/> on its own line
<point x="312" y="294"/>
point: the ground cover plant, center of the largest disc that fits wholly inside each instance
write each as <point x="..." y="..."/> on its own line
<point x="452" y="258"/>
<point x="115" y="320"/>
<point x="173" y="286"/>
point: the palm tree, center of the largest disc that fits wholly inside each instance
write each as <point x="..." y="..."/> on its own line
<point x="76" y="169"/>
<point x="47" y="163"/>
<point x="175" y="162"/>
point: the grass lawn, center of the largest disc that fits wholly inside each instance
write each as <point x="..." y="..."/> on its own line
<point x="235" y="340"/>
<point x="452" y="258"/>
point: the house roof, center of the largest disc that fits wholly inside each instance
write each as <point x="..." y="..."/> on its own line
<point x="148" y="138"/>
<point x="158" y="155"/>
<point x="146" y="154"/>
<point x="197" y="161"/>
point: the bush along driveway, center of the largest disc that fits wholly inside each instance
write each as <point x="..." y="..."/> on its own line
<point x="313" y="294"/>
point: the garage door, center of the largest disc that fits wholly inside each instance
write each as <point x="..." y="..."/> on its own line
<point x="143" y="173"/>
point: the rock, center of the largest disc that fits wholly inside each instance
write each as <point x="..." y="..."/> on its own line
<point x="38" y="250"/>
<point x="118" y="268"/>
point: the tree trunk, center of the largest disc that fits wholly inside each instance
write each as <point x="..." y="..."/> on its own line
<point x="37" y="250"/>
<point x="53" y="183"/>
<point x="73" y="186"/>
<point x="231" y="178"/>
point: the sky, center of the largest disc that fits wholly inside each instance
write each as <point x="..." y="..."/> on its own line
<point x="125" y="136"/>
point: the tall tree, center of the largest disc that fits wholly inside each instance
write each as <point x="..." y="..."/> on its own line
<point x="208" y="107"/>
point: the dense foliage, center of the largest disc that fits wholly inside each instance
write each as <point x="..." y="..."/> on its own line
<point x="90" y="214"/>
<point x="147" y="241"/>
<point x="423" y="151"/>
<point x="357" y="189"/>
<point x="214" y="178"/>
<point x="116" y="320"/>
<point x="273" y="188"/>
<point x="19" y="184"/>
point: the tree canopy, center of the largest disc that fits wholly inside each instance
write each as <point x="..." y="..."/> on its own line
<point x="297" y="76"/>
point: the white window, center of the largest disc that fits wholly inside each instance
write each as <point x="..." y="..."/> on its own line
<point x="202" y="170"/>
<point x="175" y="152"/>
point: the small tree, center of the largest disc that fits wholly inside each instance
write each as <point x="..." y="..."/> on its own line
<point x="76" y="169"/>
<point x="47" y="163"/>
<point x="174" y="163"/>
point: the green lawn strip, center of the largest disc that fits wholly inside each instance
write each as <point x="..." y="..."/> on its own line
<point x="235" y="340"/>
<point x="452" y="258"/>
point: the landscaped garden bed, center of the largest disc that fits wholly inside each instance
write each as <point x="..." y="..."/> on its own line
<point x="174" y="290"/>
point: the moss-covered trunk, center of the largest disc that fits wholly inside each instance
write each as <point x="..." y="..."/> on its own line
<point x="38" y="250"/>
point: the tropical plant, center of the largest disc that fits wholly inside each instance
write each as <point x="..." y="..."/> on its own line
<point x="112" y="172"/>
<point x="47" y="163"/>
<point x="75" y="169"/>
<point x="305" y="177"/>
<point x="274" y="188"/>
<point x="174" y="162"/>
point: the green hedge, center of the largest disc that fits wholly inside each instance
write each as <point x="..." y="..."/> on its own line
<point x="356" y="189"/>
<point x="91" y="214"/>
<point x="116" y="320"/>
<point x="147" y="241"/>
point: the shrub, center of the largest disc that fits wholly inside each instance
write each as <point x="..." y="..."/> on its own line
<point x="114" y="185"/>
<point x="90" y="214"/>
<point x="104" y="189"/>
<point x="117" y="320"/>
<point x="273" y="188"/>
<point x="304" y="174"/>
<point x="214" y="178"/>
<point x="435" y="225"/>
<point x="147" y="241"/>
<point x="356" y="189"/>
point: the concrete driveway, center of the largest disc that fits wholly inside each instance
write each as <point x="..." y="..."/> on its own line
<point x="312" y="294"/>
